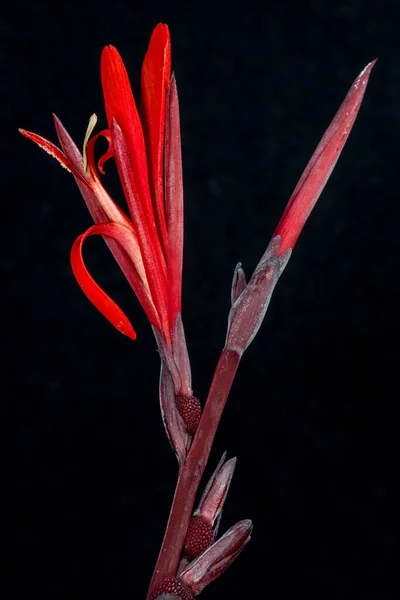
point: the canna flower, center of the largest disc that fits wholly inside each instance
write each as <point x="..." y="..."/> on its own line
<point x="147" y="243"/>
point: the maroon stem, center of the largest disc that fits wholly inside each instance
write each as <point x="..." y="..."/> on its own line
<point x="193" y="468"/>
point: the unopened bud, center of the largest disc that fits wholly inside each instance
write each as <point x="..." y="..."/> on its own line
<point x="238" y="283"/>
<point x="217" y="558"/>
<point x="173" y="586"/>
<point x="214" y="496"/>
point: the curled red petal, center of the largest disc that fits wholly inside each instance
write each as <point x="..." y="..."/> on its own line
<point x="321" y="164"/>
<point x="156" y="73"/>
<point x="109" y="153"/>
<point x="108" y="308"/>
<point x="150" y="248"/>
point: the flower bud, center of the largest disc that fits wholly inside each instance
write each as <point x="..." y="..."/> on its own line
<point x="217" y="558"/>
<point x="171" y="586"/>
<point x="190" y="411"/>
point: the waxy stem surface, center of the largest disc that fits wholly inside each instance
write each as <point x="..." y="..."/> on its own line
<point x="192" y="469"/>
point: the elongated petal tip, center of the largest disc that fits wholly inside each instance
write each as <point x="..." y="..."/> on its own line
<point x="48" y="147"/>
<point x="321" y="164"/>
<point x="156" y="73"/>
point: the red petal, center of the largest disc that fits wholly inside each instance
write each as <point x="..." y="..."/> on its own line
<point x="120" y="105"/>
<point x="322" y="162"/>
<point x="109" y="153"/>
<point x="130" y="156"/>
<point x="174" y="201"/>
<point x="151" y="252"/>
<point x="156" y="73"/>
<point x="55" y="152"/>
<point x="96" y="295"/>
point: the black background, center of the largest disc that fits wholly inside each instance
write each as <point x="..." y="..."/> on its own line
<point x="87" y="473"/>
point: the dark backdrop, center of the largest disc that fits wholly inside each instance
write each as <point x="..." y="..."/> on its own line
<point x="87" y="473"/>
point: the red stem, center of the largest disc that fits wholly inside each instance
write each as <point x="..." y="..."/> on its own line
<point x="193" y="468"/>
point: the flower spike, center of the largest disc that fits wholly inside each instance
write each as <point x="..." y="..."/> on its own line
<point x="147" y="243"/>
<point x="156" y="73"/>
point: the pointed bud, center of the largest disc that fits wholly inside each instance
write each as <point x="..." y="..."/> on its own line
<point x="214" y="495"/>
<point x="238" y="283"/>
<point x="321" y="164"/>
<point x="248" y="312"/>
<point x="201" y="532"/>
<point x="217" y="558"/>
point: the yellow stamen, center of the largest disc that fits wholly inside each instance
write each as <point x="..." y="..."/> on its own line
<point x="89" y="131"/>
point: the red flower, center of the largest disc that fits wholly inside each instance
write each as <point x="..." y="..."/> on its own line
<point x="147" y="243"/>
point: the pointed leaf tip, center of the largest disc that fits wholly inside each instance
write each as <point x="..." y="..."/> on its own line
<point x="48" y="147"/>
<point x="321" y="164"/>
<point x="156" y="73"/>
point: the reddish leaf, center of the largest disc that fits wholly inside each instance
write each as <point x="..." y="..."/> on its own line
<point x="130" y="156"/>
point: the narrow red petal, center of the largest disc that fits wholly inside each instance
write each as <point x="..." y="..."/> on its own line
<point x="156" y="73"/>
<point x="120" y="105"/>
<point x="55" y="152"/>
<point x="95" y="294"/>
<point x="131" y="160"/>
<point x="322" y="162"/>
<point x="174" y="201"/>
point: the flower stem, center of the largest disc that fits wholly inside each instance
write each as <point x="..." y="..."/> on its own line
<point x="192" y="469"/>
